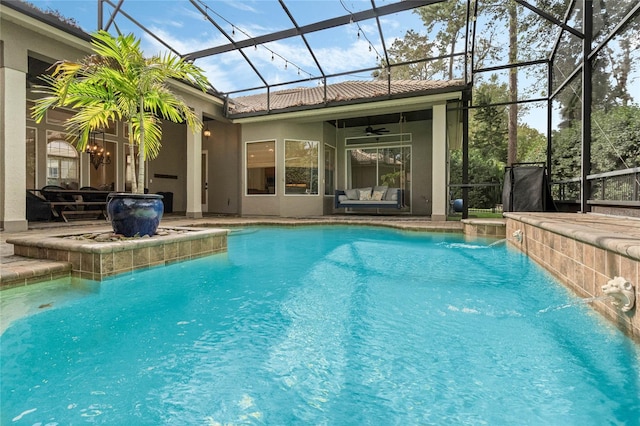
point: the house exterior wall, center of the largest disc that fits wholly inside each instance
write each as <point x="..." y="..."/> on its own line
<point x="225" y="167"/>
<point x="168" y="171"/>
<point x="281" y="204"/>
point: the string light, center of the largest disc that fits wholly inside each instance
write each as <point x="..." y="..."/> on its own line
<point x="255" y="46"/>
<point x="361" y="31"/>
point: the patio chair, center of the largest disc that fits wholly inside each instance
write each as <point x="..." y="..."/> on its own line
<point x="51" y="194"/>
<point x="37" y="208"/>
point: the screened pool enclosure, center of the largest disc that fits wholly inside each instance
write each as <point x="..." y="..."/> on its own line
<point x="543" y="81"/>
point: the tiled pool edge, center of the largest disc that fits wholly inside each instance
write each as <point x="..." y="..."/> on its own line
<point x="582" y="260"/>
<point x="99" y="260"/>
<point x="484" y="227"/>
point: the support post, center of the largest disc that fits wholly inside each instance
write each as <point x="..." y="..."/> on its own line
<point x="439" y="163"/>
<point x="194" y="167"/>
<point x="466" y="103"/>
<point x="13" y="122"/>
<point x="585" y="170"/>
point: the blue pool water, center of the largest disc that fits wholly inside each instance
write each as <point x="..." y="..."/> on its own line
<point x="319" y="325"/>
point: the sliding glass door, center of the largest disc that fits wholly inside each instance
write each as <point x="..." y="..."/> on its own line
<point x="389" y="166"/>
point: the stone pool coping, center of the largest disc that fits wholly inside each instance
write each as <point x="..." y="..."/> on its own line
<point x="88" y="258"/>
<point x="616" y="234"/>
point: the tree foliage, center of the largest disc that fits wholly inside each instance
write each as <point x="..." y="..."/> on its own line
<point x="616" y="139"/>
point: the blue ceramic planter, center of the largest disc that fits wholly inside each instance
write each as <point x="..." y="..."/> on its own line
<point x="134" y="214"/>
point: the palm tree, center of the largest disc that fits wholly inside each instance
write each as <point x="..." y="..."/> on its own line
<point x="117" y="83"/>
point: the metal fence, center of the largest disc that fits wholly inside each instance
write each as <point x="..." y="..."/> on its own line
<point x="619" y="185"/>
<point x="483" y="197"/>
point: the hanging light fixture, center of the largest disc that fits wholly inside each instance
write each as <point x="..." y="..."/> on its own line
<point x="206" y="132"/>
<point x="98" y="155"/>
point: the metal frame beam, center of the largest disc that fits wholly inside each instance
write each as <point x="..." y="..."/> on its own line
<point x="302" y="35"/>
<point x="316" y="26"/>
<point x="585" y="169"/>
<point x="142" y="27"/>
<point x="551" y="18"/>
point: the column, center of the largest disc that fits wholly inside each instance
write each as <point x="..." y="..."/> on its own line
<point x="194" y="171"/>
<point x="13" y="121"/>
<point x="439" y="163"/>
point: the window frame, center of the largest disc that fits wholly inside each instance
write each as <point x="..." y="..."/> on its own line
<point x="275" y="168"/>
<point x="317" y="168"/>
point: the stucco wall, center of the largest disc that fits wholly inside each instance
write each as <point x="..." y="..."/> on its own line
<point x="281" y="204"/>
<point x="171" y="162"/>
<point x="225" y="167"/>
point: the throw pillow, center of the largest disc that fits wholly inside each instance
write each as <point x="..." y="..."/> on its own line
<point x="364" y="191"/>
<point x="377" y="195"/>
<point x="365" y="195"/>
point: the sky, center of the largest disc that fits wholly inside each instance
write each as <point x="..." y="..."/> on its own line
<point x="182" y="26"/>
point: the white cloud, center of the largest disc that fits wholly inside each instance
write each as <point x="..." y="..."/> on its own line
<point x="242" y="5"/>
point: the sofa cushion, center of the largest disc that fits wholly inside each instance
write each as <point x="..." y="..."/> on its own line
<point x="352" y="194"/>
<point x="391" y="194"/>
<point x="342" y="198"/>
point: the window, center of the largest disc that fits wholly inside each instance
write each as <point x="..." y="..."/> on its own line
<point x="103" y="177"/>
<point x="329" y="169"/>
<point x="261" y="167"/>
<point x="301" y="167"/>
<point x="62" y="161"/>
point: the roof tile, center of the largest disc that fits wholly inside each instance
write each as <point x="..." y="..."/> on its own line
<point x="344" y="91"/>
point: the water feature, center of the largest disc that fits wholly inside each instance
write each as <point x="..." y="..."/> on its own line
<point x="622" y="292"/>
<point x="320" y="325"/>
<point x="578" y="302"/>
<point x="498" y="242"/>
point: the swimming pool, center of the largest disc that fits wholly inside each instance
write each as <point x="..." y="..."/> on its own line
<point x="320" y="325"/>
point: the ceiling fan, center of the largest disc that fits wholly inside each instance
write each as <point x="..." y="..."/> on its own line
<point x="371" y="131"/>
